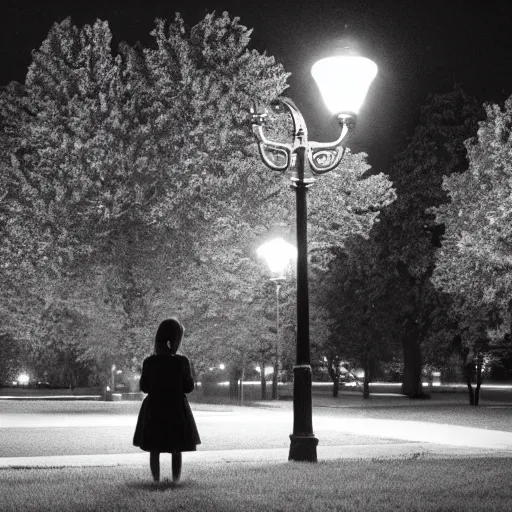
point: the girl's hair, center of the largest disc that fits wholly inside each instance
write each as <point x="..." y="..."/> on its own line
<point x="168" y="336"/>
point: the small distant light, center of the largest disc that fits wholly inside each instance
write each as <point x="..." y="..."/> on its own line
<point x="119" y="371"/>
<point x="108" y="388"/>
<point x="258" y="369"/>
<point x="222" y="366"/>
<point x="23" y="378"/>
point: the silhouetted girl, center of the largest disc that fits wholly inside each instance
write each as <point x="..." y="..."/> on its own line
<point x="165" y="422"/>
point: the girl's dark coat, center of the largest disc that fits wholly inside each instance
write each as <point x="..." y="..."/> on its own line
<point x="165" y="422"/>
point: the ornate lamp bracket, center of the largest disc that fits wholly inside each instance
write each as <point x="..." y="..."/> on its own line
<point x="325" y="156"/>
<point x="278" y="156"/>
<point x="275" y="155"/>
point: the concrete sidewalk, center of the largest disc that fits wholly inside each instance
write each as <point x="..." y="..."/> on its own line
<point x="280" y="455"/>
<point x="405" y="439"/>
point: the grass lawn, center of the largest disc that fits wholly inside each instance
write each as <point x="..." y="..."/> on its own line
<point x="408" y="485"/>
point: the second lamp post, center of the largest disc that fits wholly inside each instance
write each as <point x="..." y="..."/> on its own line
<point x="343" y="81"/>
<point x="278" y="254"/>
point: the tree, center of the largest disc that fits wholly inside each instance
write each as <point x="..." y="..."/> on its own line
<point x="473" y="263"/>
<point x="10" y="362"/>
<point x="128" y="175"/>
<point x="66" y="190"/>
<point x="407" y="233"/>
<point x="359" y="326"/>
<point x="124" y="171"/>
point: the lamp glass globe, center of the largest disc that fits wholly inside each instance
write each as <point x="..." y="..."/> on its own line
<point x="278" y="254"/>
<point x="344" y="81"/>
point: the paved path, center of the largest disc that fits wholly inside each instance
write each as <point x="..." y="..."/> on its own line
<point x="388" y="438"/>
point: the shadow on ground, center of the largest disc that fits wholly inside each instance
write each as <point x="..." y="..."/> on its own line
<point x="164" y="485"/>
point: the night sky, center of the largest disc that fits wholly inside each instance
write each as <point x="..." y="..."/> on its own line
<point x="420" y="47"/>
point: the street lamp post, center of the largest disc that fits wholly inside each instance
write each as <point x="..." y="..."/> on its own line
<point x="278" y="254"/>
<point x="278" y="282"/>
<point x="343" y="81"/>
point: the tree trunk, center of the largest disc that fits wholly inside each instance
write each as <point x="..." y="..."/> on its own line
<point x="477" y="394"/>
<point x="274" y="381"/>
<point x="263" y="382"/>
<point x="242" y="385"/>
<point x="333" y="369"/>
<point x="478" y="378"/>
<point x="411" y="384"/>
<point x="233" y="385"/>
<point x="336" y="387"/>
<point x="468" y="367"/>
<point x="366" y="383"/>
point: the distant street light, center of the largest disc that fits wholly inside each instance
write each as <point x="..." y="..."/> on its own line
<point x="346" y="78"/>
<point x="23" y="379"/>
<point x="278" y="255"/>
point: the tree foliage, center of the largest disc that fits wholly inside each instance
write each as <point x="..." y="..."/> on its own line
<point x="132" y="190"/>
<point x="473" y="264"/>
<point x="357" y="314"/>
<point x="474" y="261"/>
<point x="408" y="234"/>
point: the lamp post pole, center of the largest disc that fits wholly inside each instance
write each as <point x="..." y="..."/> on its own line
<point x="278" y="282"/>
<point x="343" y="81"/>
<point x="322" y="157"/>
<point x="303" y="443"/>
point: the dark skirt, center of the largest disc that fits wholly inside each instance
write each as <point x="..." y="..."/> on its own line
<point x="166" y="425"/>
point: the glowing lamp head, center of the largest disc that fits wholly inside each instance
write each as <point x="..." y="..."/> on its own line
<point x="344" y="81"/>
<point x="278" y="254"/>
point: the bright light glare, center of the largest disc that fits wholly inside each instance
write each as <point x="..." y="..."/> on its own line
<point x="278" y="254"/>
<point x="23" y="378"/>
<point x="344" y="81"/>
<point x="222" y="366"/>
<point x="359" y="373"/>
<point x="268" y="369"/>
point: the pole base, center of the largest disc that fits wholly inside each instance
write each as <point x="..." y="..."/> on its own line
<point x="303" y="448"/>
